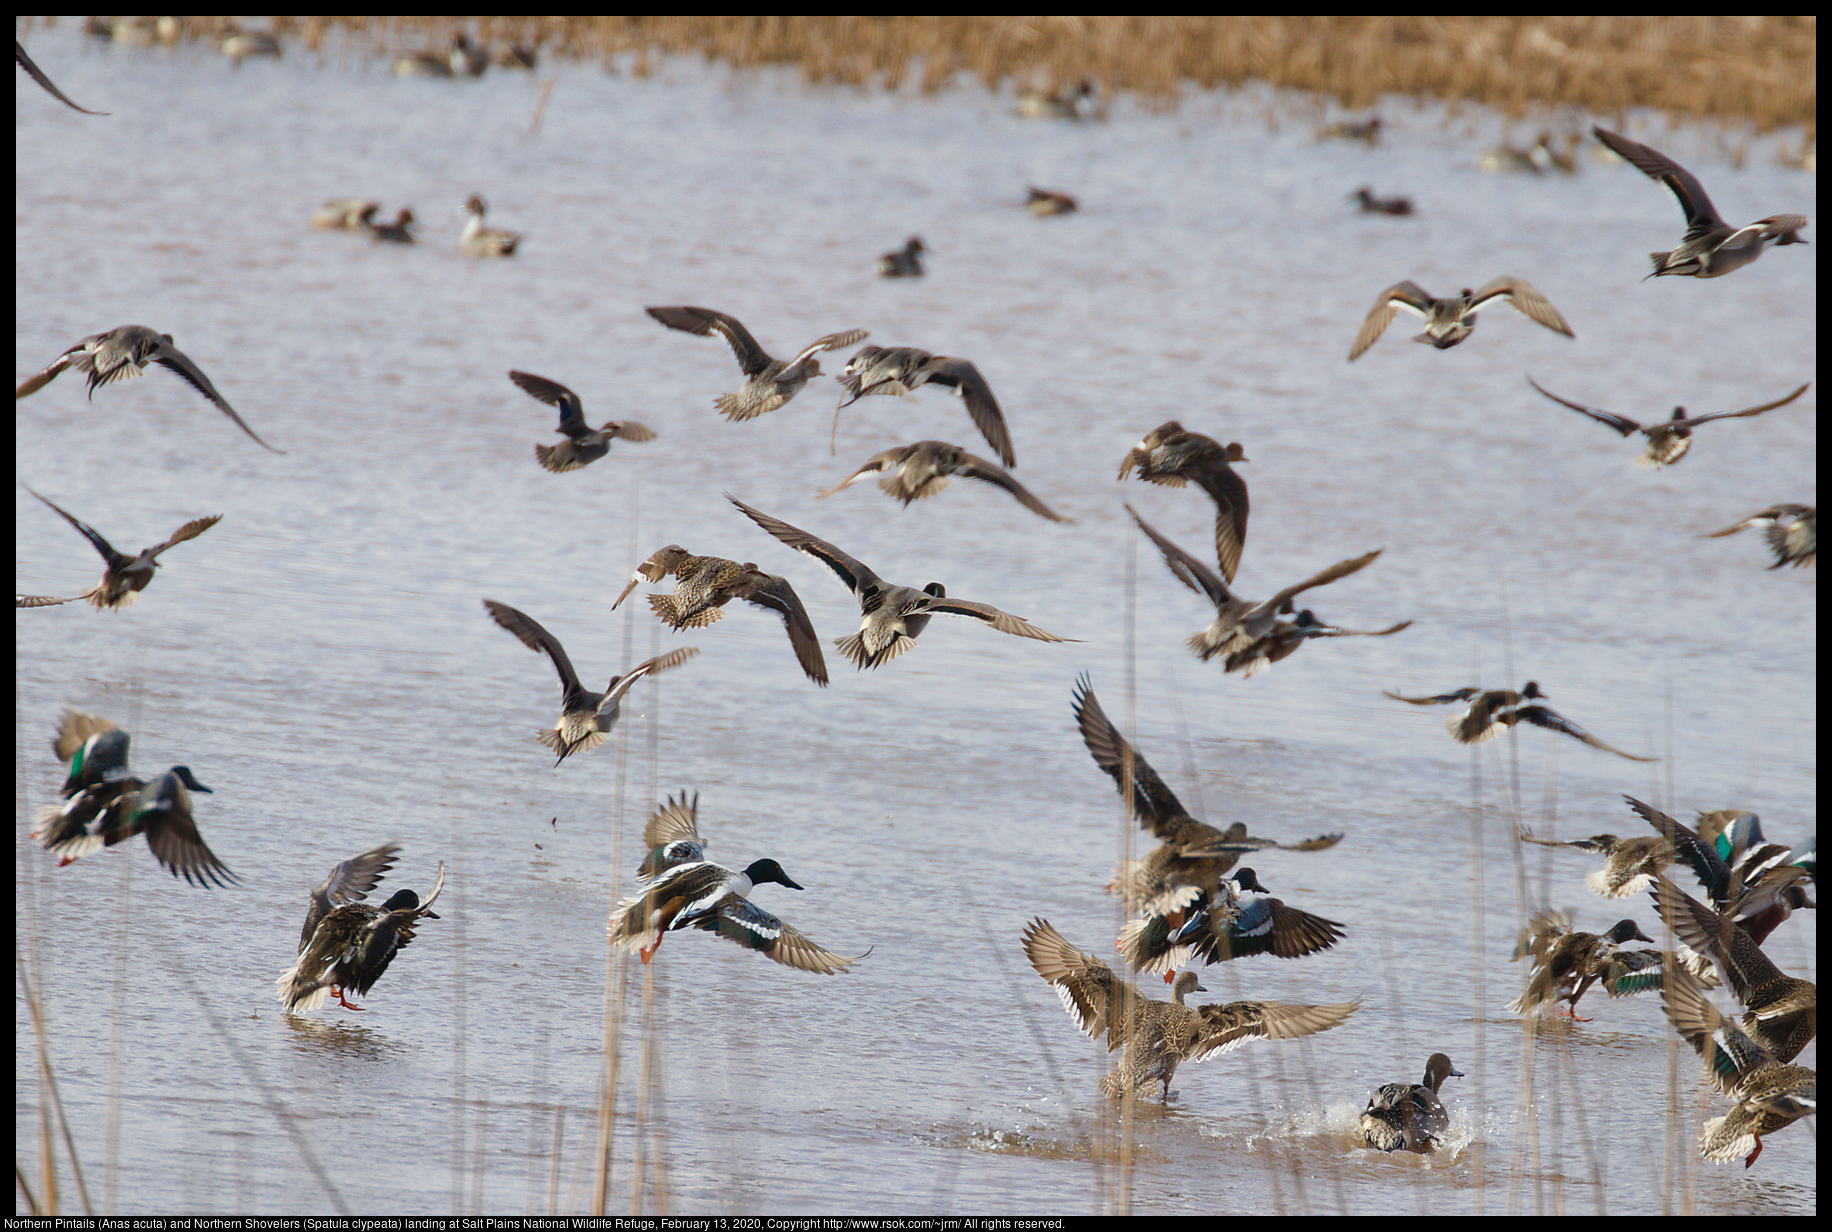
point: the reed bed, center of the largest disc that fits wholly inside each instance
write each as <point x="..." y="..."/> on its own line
<point x="1759" y="70"/>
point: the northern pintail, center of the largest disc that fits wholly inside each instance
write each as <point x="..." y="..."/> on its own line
<point x="1370" y="204"/>
<point x="1537" y="159"/>
<point x="1780" y="1011"/>
<point x="1450" y="321"/>
<point x="704" y="895"/>
<point x="901" y="370"/>
<point x="1365" y="131"/>
<point x="1629" y="864"/>
<point x="905" y="262"/>
<point x="891" y="617"/>
<point x="1046" y="203"/>
<point x="671" y="836"/>
<point x="1223" y="924"/>
<point x="463" y="60"/>
<point x="1169" y="455"/>
<point x="1769" y="1095"/>
<point x="1159" y="1035"/>
<point x="586" y="718"/>
<point x="1080" y="103"/>
<point x="910" y="472"/>
<point x="1192" y="856"/>
<point x="124" y="352"/>
<point x="1286" y="637"/>
<point x="584" y="444"/>
<point x="1491" y="711"/>
<point x="1670" y="440"/>
<point x="708" y="583"/>
<point x="769" y="382"/>
<point x="1409" y="1116"/>
<point x="37" y="74"/>
<point x="1711" y="247"/>
<point x="477" y="240"/>
<point x="1566" y="963"/>
<point x="241" y="45"/>
<point x="1792" y="532"/>
<point x="400" y="231"/>
<point x="352" y="946"/>
<point x="346" y="214"/>
<point x="124" y="576"/>
<point x="1239" y="623"/>
<point x="107" y="804"/>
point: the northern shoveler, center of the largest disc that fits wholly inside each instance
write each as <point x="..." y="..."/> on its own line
<point x="1221" y="925"/>
<point x="1566" y="963"/>
<point x="351" y="946"/>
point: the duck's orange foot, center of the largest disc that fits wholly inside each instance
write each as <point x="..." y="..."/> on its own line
<point x="648" y="951"/>
<point x="1753" y="1154"/>
<point x="338" y="992"/>
<point x="1170" y="977"/>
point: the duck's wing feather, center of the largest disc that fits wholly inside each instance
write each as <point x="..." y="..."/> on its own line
<point x="535" y="636"/>
<point x="775" y="594"/>
<point x="974" y="467"/>
<point x="704" y="321"/>
<point x="572" y="410"/>
<point x="1701" y="215"/>
<point x="982" y="407"/>
<point x="1552" y="720"/>
<point x="1527" y="298"/>
<point x="1154" y="804"/>
<point x="857" y="577"/>
<point x="1184" y="567"/>
<point x="1754" y="410"/>
<point x="1004" y="622"/>
<point x="1408" y="295"/>
<point x="1621" y="423"/>
<point x="175" y="359"/>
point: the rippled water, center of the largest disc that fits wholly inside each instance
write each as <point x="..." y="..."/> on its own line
<point x="322" y="660"/>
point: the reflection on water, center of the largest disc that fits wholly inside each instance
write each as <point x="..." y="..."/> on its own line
<point x="321" y="658"/>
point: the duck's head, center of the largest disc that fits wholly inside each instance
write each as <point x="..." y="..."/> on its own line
<point x="769" y="871"/>
<point x="1626" y="931"/>
<point x="1532" y="690"/>
<point x="1187" y="983"/>
<point x="474" y="204"/>
<point x="1235" y="452"/>
<point x="183" y="774"/>
<point x="1245" y="879"/>
<point x="1438" y="1068"/>
<point x="936" y="589"/>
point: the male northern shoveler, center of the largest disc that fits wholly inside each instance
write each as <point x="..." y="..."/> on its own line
<point x="769" y="382"/>
<point x="586" y="718"/>
<point x="701" y="894"/>
<point x="351" y="946"/>
<point x="1567" y="963"/>
<point x="708" y="583"/>
<point x="895" y="371"/>
<point x="1169" y="455"/>
<point x="1409" y="1116"/>
<point x="1711" y="247"/>
<point x="124" y="576"/>
<point x="1769" y="1095"/>
<point x="477" y="240"/>
<point x="347" y="882"/>
<point x="1781" y="1011"/>
<point x="672" y="836"/>
<point x="1669" y="440"/>
<point x="1450" y="321"/>
<point x="1159" y="1035"/>
<point x="124" y="352"/>
<point x="1792" y="532"/>
<point x="1240" y="625"/>
<point x="1192" y="856"/>
<point x="1223" y="924"/>
<point x="1492" y="711"/>
<point x="107" y="804"/>
<point x="910" y="472"/>
<point x="584" y="444"/>
<point x="891" y="617"/>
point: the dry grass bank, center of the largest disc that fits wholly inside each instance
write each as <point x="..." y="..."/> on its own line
<point x="1756" y="70"/>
